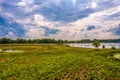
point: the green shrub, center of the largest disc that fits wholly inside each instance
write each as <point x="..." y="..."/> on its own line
<point x="113" y="47"/>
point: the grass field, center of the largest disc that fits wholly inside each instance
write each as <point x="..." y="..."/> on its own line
<point x="58" y="62"/>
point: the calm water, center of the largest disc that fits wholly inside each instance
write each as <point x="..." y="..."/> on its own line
<point x="10" y="51"/>
<point x="89" y="45"/>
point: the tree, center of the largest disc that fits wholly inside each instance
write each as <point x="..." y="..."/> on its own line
<point x="96" y="44"/>
<point x="113" y="47"/>
<point x="103" y="46"/>
<point x="5" y="40"/>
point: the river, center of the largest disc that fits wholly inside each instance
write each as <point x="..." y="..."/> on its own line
<point x="89" y="45"/>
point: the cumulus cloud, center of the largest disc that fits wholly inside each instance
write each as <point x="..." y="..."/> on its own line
<point x="60" y="19"/>
<point x="94" y="5"/>
<point x="35" y="33"/>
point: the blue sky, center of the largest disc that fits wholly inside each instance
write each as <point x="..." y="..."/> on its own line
<point x="60" y="19"/>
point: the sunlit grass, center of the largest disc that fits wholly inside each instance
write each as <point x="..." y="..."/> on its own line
<point x="58" y="62"/>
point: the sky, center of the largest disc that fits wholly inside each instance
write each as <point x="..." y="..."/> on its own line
<point x="60" y="19"/>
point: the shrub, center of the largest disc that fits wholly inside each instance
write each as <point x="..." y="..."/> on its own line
<point x="113" y="47"/>
<point x="96" y="44"/>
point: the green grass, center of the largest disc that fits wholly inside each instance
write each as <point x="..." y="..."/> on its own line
<point x="58" y="62"/>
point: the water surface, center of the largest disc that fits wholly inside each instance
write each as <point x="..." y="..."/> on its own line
<point x="89" y="45"/>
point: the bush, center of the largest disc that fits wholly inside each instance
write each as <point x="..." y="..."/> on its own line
<point x="113" y="47"/>
<point x="96" y="44"/>
<point x="103" y="46"/>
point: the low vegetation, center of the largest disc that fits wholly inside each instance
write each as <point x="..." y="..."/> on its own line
<point x="58" y="62"/>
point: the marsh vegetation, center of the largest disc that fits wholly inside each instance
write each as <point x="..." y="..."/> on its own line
<point x="58" y="62"/>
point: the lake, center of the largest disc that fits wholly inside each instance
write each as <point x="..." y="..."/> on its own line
<point x="89" y="45"/>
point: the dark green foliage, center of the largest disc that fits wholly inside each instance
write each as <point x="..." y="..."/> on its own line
<point x="103" y="46"/>
<point x="96" y="43"/>
<point x="113" y="47"/>
<point x="5" y="40"/>
<point x="20" y="40"/>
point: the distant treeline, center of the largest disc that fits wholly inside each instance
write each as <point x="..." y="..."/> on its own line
<point x="20" y="40"/>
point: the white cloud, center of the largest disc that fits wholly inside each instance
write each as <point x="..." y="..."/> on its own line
<point x="22" y="3"/>
<point x="97" y="19"/>
<point x="38" y="21"/>
<point x="25" y="3"/>
<point x="74" y="30"/>
<point x="26" y="6"/>
<point x="74" y="2"/>
<point x="41" y="21"/>
<point x="28" y="2"/>
<point x="8" y="15"/>
<point x="94" y="5"/>
<point x="10" y="33"/>
<point x="35" y="33"/>
<point x="0" y="9"/>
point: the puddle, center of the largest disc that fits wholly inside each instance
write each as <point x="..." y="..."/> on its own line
<point x="117" y="56"/>
<point x="10" y="51"/>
